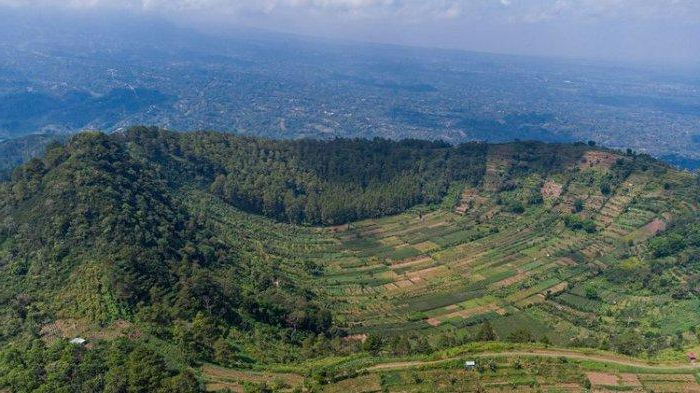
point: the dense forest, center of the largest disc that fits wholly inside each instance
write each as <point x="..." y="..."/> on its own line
<point x="309" y="181"/>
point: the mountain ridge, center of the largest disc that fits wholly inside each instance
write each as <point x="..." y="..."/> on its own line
<point x="193" y="241"/>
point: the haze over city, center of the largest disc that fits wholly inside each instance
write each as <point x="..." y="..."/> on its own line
<point x="647" y="31"/>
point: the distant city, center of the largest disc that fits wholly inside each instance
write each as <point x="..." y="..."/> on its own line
<point x="289" y="87"/>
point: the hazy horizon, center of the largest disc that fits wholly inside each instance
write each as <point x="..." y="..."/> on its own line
<point x="110" y="65"/>
<point x="641" y="32"/>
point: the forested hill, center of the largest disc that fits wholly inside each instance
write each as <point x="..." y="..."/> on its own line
<point x="307" y="181"/>
<point x="155" y="228"/>
<point x="108" y="215"/>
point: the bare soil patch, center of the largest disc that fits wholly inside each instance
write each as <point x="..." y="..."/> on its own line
<point x="656" y="226"/>
<point x="433" y="322"/>
<point x="470" y="200"/>
<point x="597" y="378"/>
<point x="426" y="273"/>
<point x="404" y="283"/>
<point x="528" y="301"/>
<point x="598" y="159"/>
<point x="551" y="189"/>
<point x="566" y="261"/>
<point x="356" y="337"/>
<point x="509" y="281"/>
<point x="557" y="288"/>
<point x="630" y="379"/>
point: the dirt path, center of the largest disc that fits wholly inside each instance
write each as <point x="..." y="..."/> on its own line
<point x="610" y="359"/>
<point x="219" y="377"/>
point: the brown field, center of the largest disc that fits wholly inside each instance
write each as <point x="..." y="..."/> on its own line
<point x="667" y="383"/>
<point x="528" y="301"/>
<point x="566" y="261"/>
<point x="656" y="226"/>
<point x="426" y="273"/>
<point x="474" y="311"/>
<point x="558" y="288"/>
<point x="597" y="378"/>
<point x="599" y="159"/>
<point x="551" y="189"/>
<point x="509" y="281"/>
<point x="355" y="337"/>
<point x="470" y="200"/>
<point x="433" y="322"/>
<point x="404" y="283"/>
<point x="630" y="380"/>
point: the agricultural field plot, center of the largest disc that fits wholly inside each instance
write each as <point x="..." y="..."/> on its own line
<point x="669" y="383"/>
<point x="221" y="379"/>
<point x="450" y="268"/>
<point x="508" y="375"/>
<point x="459" y="284"/>
<point x="630" y="382"/>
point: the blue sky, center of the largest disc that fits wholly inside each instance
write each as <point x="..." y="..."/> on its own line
<point x="660" y="31"/>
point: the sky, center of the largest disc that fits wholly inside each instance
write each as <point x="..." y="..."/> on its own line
<point x="644" y="31"/>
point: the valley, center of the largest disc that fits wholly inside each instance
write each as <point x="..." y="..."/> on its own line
<point x="348" y="265"/>
<point x="452" y="266"/>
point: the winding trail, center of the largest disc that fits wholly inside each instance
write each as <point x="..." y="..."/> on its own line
<point x="602" y="358"/>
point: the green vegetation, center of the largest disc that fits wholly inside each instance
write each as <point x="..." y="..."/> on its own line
<point x="117" y="366"/>
<point x="308" y="181"/>
<point x="172" y="252"/>
<point x="577" y="223"/>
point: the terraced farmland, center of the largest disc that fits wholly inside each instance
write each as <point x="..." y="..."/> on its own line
<point x="454" y="267"/>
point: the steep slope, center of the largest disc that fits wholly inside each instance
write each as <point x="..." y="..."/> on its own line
<point x="91" y="234"/>
<point x="307" y="181"/>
